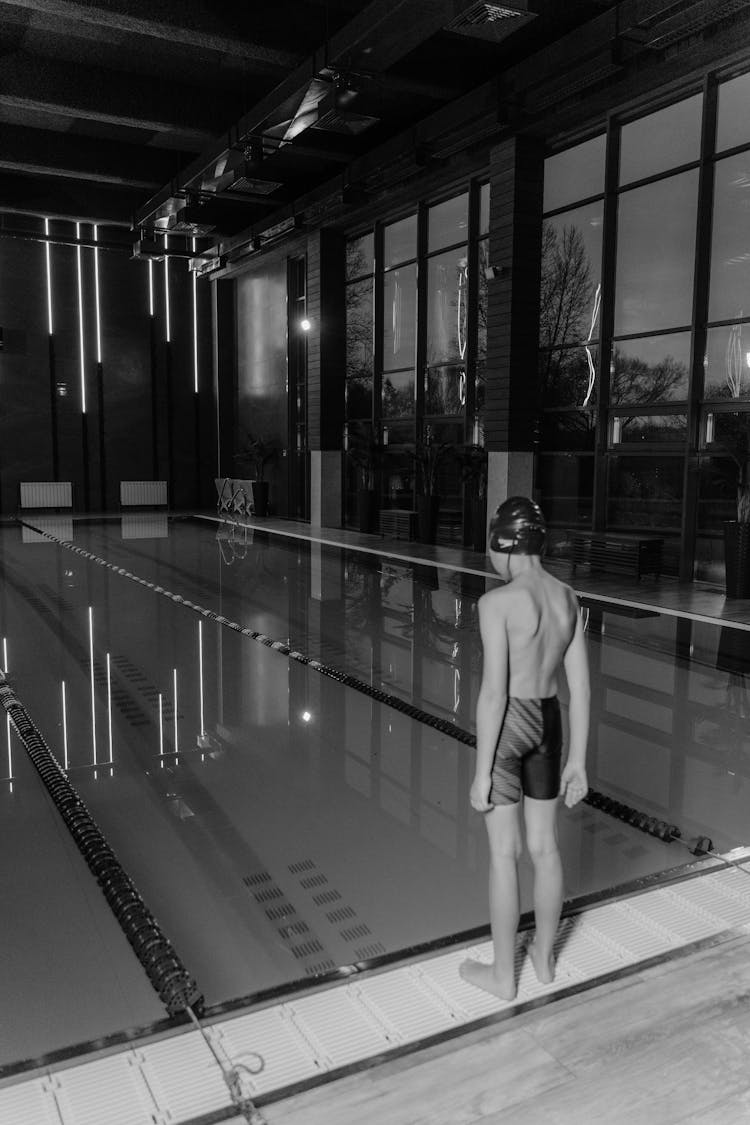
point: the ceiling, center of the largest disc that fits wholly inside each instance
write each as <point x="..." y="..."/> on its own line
<point x="210" y="117"/>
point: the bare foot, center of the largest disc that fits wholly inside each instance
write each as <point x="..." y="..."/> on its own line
<point x="544" y="967"/>
<point x="483" y="976"/>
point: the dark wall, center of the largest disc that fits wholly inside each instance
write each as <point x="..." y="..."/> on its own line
<point x="143" y="418"/>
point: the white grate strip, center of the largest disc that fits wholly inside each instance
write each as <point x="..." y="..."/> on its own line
<point x="178" y="1079"/>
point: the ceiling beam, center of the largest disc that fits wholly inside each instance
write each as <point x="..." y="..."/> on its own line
<point x="42" y="152"/>
<point x="181" y="23"/>
<point x="72" y="199"/>
<point x="188" y="115"/>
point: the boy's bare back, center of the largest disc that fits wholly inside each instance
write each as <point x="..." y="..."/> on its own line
<point x="535" y="617"/>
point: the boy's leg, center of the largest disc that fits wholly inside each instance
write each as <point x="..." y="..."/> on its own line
<point x="504" y="834"/>
<point x="542" y="843"/>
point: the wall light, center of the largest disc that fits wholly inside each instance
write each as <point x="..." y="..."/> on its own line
<point x="96" y="295"/>
<point x="306" y="716"/>
<point x="48" y="254"/>
<point x="80" y="321"/>
<point x="305" y="324"/>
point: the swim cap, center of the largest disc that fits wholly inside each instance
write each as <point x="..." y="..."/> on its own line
<point x="520" y="520"/>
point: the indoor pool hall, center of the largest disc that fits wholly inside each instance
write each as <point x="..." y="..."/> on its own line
<point x="206" y="688"/>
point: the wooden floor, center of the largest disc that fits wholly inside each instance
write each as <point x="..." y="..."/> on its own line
<point x="669" y="1044"/>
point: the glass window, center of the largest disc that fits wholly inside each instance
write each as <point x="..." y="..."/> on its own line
<point x="571" y="268"/>
<point x="730" y="243"/>
<point x="566" y="482"/>
<point x="726" y="364"/>
<point x="484" y="261"/>
<point x="733" y="124"/>
<point x="360" y="256"/>
<point x="645" y="492"/>
<point x="448" y="222"/>
<point x="655" y="255"/>
<point x="648" y="428"/>
<point x="446" y="306"/>
<point x="445" y="389"/>
<point x="484" y="209"/>
<point x="568" y="376"/>
<point x="398" y="394"/>
<point x="662" y="140"/>
<point x="359" y="349"/>
<point x="569" y="429"/>
<point x="577" y="173"/>
<point x="650" y="369"/>
<point x="399" y="318"/>
<point x="400" y="242"/>
<point x="717" y="493"/>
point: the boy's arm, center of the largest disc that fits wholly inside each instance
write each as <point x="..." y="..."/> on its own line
<point x="492" y="699"/>
<point x="573" y="782"/>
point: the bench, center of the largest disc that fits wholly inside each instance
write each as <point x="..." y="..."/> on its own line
<point x="398" y="523"/>
<point x="619" y="553"/>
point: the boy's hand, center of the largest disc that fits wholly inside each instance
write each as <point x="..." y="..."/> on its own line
<point x="479" y="794"/>
<point x="573" y="785"/>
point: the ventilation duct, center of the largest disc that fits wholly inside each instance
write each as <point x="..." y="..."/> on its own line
<point x="491" y="22"/>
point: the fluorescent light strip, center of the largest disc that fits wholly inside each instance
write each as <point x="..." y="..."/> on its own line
<point x="65" y="726"/>
<point x="80" y="322"/>
<point x="96" y="290"/>
<point x="166" y="293"/>
<point x="5" y="654"/>
<point x="150" y="288"/>
<point x="48" y="255"/>
<point x="93" y="695"/>
<point x="161" y="730"/>
<point x="195" y="333"/>
<point x="10" y="754"/>
<point x="174" y="683"/>
<point x="109" y="706"/>
<point x="200" y="671"/>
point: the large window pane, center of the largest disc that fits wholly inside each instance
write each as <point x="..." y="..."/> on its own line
<point x="577" y="173"/>
<point x="655" y="253"/>
<point x="571" y="268"/>
<point x="359" y="349"/>
<point x="569" y="430"/>
<point x="484" y="261"/>
<point x="484" y="209"/>
<point x="730" y="243"/>
<point x="445" y="389"/>
<point x="360" y="256"/>
<point x="650" y="369"/>
<point x="566" y="482"/>
<point x="717" y="493"/>
<point x="662" y="140"/>
<point x="400" y="242"/>
<point x="727" y="372"/>
<point x="568" y="376"/>
<point x="398" y="394"/>
<point x="446" y="306"/>
<point x="399" y="318"/>
<point x="640" y="428"/>
<point x="645" y="492"/>
<point x="733" y="126"/>
<point x="448" y="222"/>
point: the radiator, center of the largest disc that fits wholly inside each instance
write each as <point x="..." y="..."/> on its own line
<point x="46" y="494"/>
<point x="143" y="493"/>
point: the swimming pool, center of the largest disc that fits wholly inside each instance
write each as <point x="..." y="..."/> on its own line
<point x="281" y="824"/>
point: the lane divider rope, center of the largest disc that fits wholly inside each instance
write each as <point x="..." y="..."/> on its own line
<point x="173" y="983"/>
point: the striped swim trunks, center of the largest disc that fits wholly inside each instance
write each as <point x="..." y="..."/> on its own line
<point x="528" y="753"/>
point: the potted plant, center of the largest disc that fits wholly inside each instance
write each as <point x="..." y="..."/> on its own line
<point x="474" y="476"/>
<point x="429" y="455"/>
<point x="365" y="454"/>
<point x="257" y="452"/>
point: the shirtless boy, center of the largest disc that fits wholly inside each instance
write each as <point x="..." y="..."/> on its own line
<point x="531" y="628"/>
